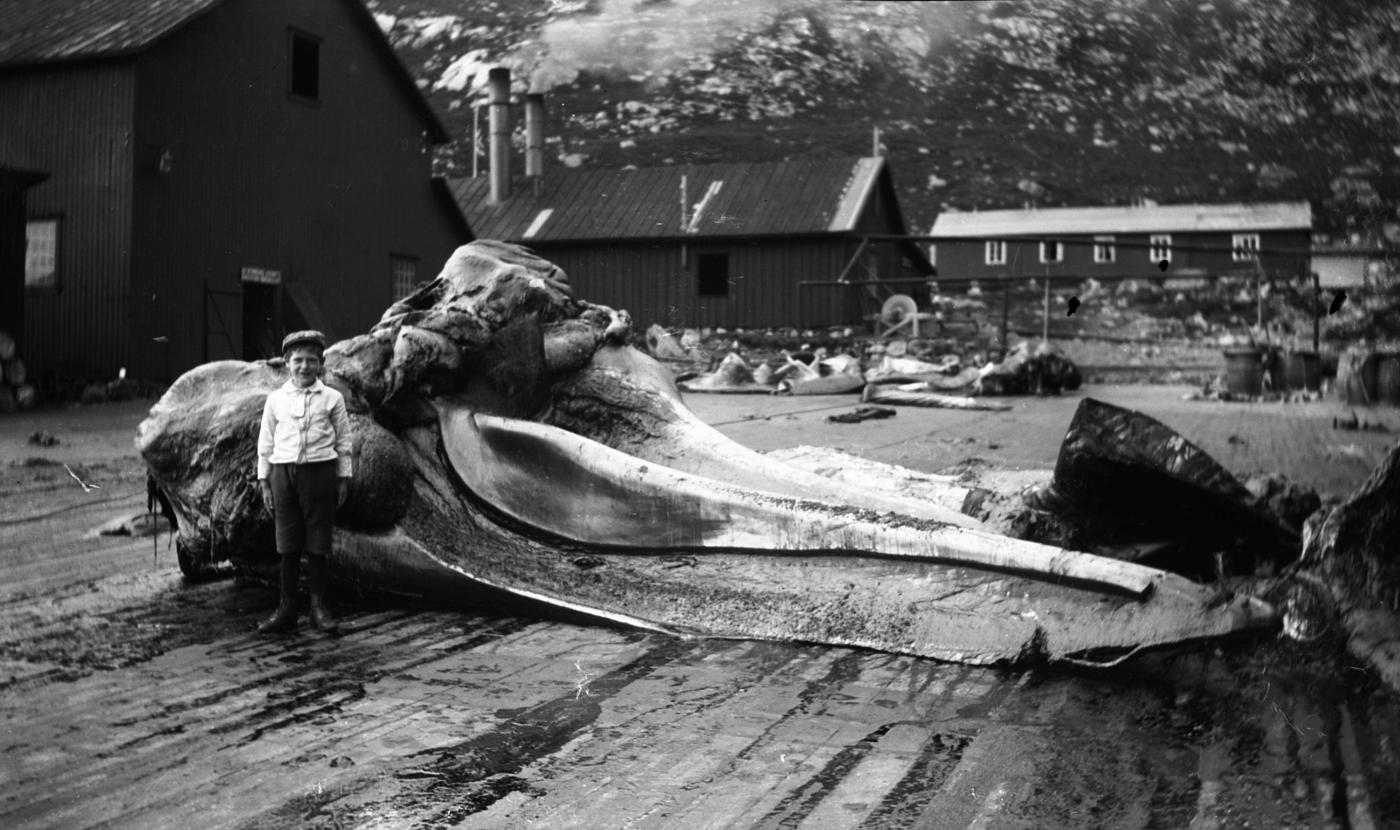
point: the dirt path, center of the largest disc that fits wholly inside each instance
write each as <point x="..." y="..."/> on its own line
<point x="129" y="698"/>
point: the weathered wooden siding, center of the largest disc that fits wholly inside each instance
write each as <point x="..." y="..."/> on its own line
<point x="74" y="122"/>
<point x="657" y="283"/>
<point x="323" y="192"/>
<point x="656" y="280"/>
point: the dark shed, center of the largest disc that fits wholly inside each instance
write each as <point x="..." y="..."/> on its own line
<point x="221" y="171"/>
<point x="710" y="245"/>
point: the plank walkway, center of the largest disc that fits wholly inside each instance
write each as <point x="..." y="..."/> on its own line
<point x="130" y="699"/>
<point x="437" y="718"/>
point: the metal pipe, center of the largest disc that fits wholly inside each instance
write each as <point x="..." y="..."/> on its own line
<point x="498" y="82"/>
<point x="534" y="134"/>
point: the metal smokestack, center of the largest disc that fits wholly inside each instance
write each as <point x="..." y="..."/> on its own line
<point x="498" y="84"/>
<point x="534" y="134"/>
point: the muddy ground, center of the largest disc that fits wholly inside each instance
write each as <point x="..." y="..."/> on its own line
<point x="132" y="698"/>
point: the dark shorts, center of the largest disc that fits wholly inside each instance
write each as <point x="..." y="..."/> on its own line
<point x="303" y="503"/>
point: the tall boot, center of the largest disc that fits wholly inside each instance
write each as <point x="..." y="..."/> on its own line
<point x="316" y="581"/>
<point x="285" y="619"/>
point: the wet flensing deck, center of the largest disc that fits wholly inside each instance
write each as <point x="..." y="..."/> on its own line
<point x="438" y="718"/>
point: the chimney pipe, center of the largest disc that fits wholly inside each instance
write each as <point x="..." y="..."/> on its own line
<point x="498" y="83"/>
<point x="534" y="134"/>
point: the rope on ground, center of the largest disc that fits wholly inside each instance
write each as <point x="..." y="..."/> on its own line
<point x="782" y="414"/>
<point x="1099" y="664"/>
<point x="40" y="516"/>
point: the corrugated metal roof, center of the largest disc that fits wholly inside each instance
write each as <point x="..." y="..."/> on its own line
<point x="805" y="196"/>
<point x="42" y="31"/>
<point x="1262" y="216"/>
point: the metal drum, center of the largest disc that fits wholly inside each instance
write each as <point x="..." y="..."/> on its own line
<point x="1302" y="370"/>
<point x="1388" y="378"/>
<point x="1244" y="371"/>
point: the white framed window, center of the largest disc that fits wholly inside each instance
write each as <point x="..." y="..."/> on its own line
<point x="1244" y="247"/>
<point x="996" y="252"/>
<point x="1104" y="250"/>
<point x="1052" y="251"/>
<point x="403" y="275"/>
<point x="1159" y="247"/>
<point x="41" y="253"/>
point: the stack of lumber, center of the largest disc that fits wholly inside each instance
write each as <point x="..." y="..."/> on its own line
<point x="16" y="392"/>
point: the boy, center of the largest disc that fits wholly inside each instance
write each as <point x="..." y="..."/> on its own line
<point x="304" y="466"/>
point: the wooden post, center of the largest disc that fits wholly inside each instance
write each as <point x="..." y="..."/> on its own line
<point x="1258" y="294"/>
<point x="1045" y="317"/>
<point x="1005" y="308"/>
<point x="1317" y="310"/>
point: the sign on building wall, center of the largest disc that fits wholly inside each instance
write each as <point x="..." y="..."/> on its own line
<point x="262" y="276"/>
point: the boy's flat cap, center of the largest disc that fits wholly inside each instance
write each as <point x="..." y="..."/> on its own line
<point x="306" y="337"/>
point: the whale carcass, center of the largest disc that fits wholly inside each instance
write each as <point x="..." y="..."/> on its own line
<point x="510" y="445"/>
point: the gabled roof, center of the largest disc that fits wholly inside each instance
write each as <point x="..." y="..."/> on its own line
<point x="802" y="197"/>
<point x="1262" y="216"/>
<point x="45" y="31"/>
<point x="38" y="32"/>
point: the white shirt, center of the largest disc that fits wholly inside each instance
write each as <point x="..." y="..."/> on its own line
<point x="303" y="426"/>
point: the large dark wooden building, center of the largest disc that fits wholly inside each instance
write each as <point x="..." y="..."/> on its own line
<point x="1162" y="241"/>
<point x="711" y="245"/>
<point x="218" y="171"/>
<point x="699" y="245"/>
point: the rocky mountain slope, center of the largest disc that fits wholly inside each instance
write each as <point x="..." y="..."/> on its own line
<point x="977" y="105"/>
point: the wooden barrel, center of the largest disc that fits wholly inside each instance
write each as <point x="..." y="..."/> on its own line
<point x="25" y="396"/>
<point x="1329" y="363"/>
<point x="1244" y="371"/>
<point x="1302" y="371"/>
<point x="1388" y="378"/>
<point x="15" y="373"/>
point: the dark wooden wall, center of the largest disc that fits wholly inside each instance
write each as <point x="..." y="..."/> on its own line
<point x="656" y="280"/>
<point x="323" y="192"/>
<point x="74" y="122"/>
<point x="650" y="281"/>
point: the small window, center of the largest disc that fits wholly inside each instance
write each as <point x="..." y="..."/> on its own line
<point x="403" y="272"/>
<point x="712" y="271"/>
<point x="996" y="252"/>
<point x="41" y="254"/>
<point x="1244" y="247"/>
<point x="304" y="58"/>
<point x="1104" y="249"/>
<point x="1052" y="251"/>
<point x="932" y="253"/>
<point x="1159" y="247"/>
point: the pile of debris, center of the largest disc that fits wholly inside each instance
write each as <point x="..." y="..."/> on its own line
<point x="886" y="374"/>
<point x="1129" y="487"/>
<point x="16" y="392"/>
